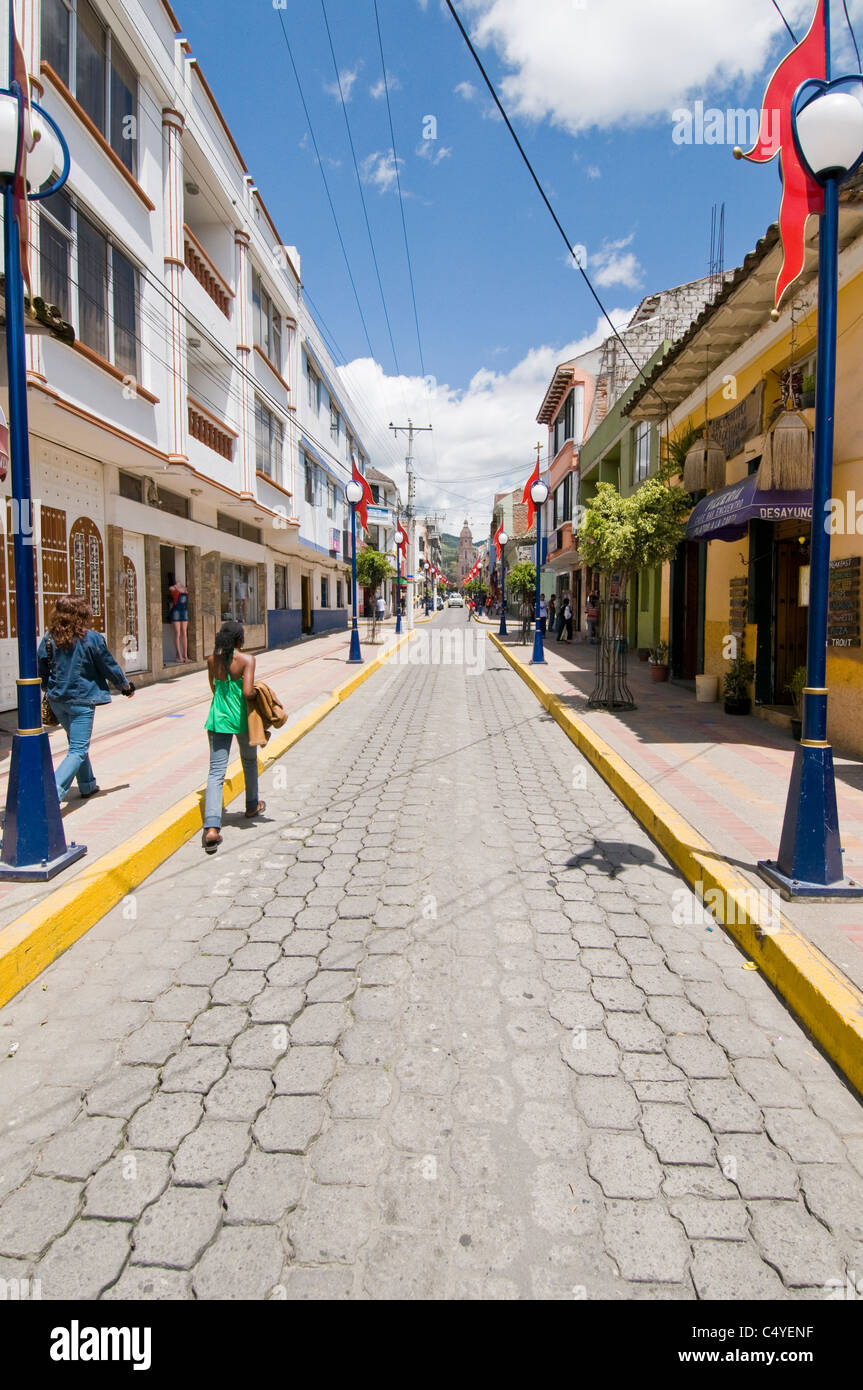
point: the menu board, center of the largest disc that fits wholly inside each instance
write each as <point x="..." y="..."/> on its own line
<point x="843" y="609"/>
<point x="739" y="600"/>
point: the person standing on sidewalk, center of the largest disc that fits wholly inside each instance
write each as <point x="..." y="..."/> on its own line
<point x="232" y="681"/>
<point x="543" y="614"/>
<point x="75" y="667"/>
<point x="179" y="615"/>
<point x="566" y="608"/>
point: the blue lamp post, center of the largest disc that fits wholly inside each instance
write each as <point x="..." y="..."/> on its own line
<point x="354" y="494"/>
<point x="827" y="119"/>
<point x="502" y="540"/>
<point x="401" y="542"/>
<point x="427" y="579"/>
<point x="34" y="845"/>
<point x="539" y="497"/>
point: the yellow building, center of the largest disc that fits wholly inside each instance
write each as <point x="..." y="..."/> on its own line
<point x="740" y="579"/>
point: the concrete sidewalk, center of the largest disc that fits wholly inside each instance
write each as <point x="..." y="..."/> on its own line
<point x="727" y="776"/>
<point x="151" y="750"/>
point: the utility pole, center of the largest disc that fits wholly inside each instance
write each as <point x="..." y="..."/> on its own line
<point x="410" y="429"/>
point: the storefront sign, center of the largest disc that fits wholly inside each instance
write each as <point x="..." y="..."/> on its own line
<point x="740" y="424"/>
<point x="738" y="604"/>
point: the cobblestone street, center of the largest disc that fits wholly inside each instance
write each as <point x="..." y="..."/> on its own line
<point x="428" y="1030"/>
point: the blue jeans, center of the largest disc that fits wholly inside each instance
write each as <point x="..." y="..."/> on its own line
<point x="220" y="747"/>
<point x="77" y="720"/>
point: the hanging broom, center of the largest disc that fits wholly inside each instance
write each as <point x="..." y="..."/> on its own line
<point x="786" y="460"/>
<point x="704" y="467"/>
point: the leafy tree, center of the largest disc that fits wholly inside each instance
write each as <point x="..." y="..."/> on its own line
<point x="620" y="535"/>
<point x="521" y="580"/>
<point x="373" y="568"/>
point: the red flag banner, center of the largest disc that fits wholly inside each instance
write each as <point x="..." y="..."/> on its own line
<point x="367" y="499"/>
<point x="801" y="195"/>
<point x="19" y="190"/>
<point x="527" y="500"/>
<point x="497" y="540"/>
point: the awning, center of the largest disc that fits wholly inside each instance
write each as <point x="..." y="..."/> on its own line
<point x="724" y="515"/>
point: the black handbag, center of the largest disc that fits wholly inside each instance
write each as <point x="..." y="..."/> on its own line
<point x="49" y="718"/>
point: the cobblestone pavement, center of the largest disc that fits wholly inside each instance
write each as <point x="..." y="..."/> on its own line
<point x="428" y="1031"/>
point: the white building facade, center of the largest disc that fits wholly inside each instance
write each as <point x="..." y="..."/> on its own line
<point x="196" y="429"/>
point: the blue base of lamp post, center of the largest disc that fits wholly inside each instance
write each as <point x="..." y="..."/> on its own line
<point x="501" y="632"/>
<point x="398" y="624"/>
<point x="34" y="844"/>
<point x="538" y="658"/>
<point x="355" y="654"/>
<point x="809" y="864"/>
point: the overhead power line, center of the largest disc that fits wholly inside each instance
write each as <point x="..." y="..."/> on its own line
<point x="399" y="187"/>
<point x="785" y="22"/>
<point x="360" y="187"/>
<point x="542" y="193"/>
<point x="326" y="184"/>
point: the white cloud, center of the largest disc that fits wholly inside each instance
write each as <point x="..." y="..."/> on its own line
<point x="380" y="170"/>
<point x="484" y="434"/>
<point x="612" y="264"/>
<point x="347" y="78"/>
<point x="604" y="64"/>
<point x="431" y="151"/>
<point x="593" y="171"/>
<point x="466" y="90"/>
<point x="378" y="91"/>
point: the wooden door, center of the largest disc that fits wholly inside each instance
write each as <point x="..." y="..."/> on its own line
<point x="306" y="586"/>
<point x="790" y="621"/>
<point x="87" y="568"/>
<point x="55" y="559"/>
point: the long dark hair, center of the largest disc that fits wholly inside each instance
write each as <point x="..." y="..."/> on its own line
<point x="70" y="620"/>
<point x="230" y="636"/>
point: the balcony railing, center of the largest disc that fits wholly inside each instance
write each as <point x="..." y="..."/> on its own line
<point x="208" y="430"/>
<point x="206" y="273"/>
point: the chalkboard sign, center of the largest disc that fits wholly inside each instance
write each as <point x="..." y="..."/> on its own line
<point x="843" y="608"/>
<point x="738" y="605"/>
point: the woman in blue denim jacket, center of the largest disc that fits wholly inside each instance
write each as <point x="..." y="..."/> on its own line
<point x="75" y="667"/>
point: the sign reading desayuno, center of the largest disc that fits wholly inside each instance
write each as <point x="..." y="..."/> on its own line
<point x="843" y="609"/>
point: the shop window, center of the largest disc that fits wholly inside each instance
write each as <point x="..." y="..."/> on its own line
<point x="239" y="592"/>
<point x="131" y="487"/>
<point x="325" y="592"/>
<point x="281" y="577"/>
<point x="171" y="502"/>
<point x="340" y="602"/>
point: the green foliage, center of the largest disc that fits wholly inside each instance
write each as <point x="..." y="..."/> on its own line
<point x="521" y="580"/>
<point x="620" y="535"/>
<point x="659" y="654"/>
<point x="373" y="568"/>
<point x="738" y="678"/>
<point x="796" y="685"/>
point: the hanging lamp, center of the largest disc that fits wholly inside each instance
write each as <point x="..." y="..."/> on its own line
<point x="786" y="459"/>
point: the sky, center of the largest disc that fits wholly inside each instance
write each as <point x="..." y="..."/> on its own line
<point x="595" y="90"/>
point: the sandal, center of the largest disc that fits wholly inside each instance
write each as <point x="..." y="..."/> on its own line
<point x="256" y="810"/>
<point x="211" y="846"/>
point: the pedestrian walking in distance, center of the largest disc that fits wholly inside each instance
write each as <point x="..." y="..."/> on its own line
<point x="592" y="614"/>
<point x="543" y="613"/>
<point x="75" y="667"/>
<point x="552" y="603"/>
<point x="232" y="681"/>
<point x="567" y="618"/>
<point x="559" y="624"/>
<point x="179" y="615"/>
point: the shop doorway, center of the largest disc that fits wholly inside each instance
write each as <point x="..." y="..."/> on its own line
<point x="172" y="565"/>
<point x="688" y="584"/>
<point x="306" y="600"/>
<point x="791" y="619"/>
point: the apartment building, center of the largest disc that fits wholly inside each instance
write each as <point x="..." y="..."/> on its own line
<point x="196" y="428"/>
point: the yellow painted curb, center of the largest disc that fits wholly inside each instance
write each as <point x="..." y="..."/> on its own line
<point x="34" y="940"/>
<point x="827" y="1003"/>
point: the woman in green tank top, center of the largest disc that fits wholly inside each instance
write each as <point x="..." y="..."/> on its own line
<point x="232" y="681"/>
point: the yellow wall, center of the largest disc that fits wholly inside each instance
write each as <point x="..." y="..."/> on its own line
<point x="844" y="666"/>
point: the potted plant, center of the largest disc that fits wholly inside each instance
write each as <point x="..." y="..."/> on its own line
<point x="807" y="392"/>
<point x="738" y="678"/>
<point x="795" y="689"/>
<point x="658" y="661"/>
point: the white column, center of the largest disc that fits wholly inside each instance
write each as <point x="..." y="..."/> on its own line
<point x="175" y="264"/>
<point x="243" y="322"/>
